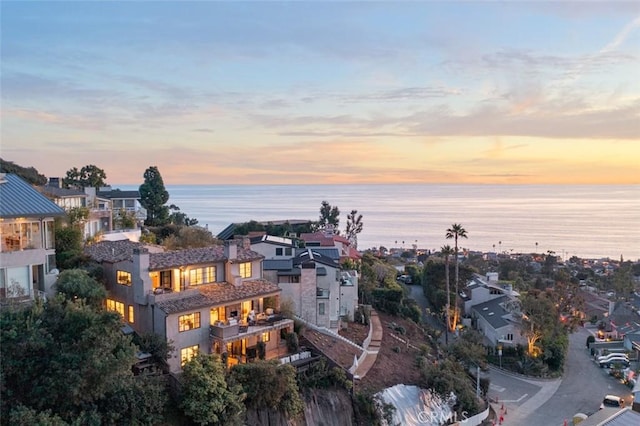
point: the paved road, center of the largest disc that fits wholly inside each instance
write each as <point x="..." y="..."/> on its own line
<point x="551" y="402"/>
<point x="530" y="402"/>
<point x="417" y="293"/>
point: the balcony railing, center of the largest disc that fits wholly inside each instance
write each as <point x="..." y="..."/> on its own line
<point x="11" y="243"/>
<point x="224" y="330"/>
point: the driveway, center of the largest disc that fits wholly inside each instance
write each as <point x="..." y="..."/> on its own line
<point x="417" y="293"/>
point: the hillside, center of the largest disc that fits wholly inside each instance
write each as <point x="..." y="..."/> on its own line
<point x="391" y="367"/>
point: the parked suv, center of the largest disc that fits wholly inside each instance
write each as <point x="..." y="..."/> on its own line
<point x="612" y="401"/>
<point x="613" y="354"/>
<point x="615" y="360"/>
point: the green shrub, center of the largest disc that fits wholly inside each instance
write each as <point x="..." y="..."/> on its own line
<point x="293" y="344"/>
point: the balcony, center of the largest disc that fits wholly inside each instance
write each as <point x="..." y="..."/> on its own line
<point x="233" y="330"/>
<point x="224" y="331"/>
<point x="15" y="243"/>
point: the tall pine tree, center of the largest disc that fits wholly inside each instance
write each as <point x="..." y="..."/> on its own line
<point x="153" y="197"/>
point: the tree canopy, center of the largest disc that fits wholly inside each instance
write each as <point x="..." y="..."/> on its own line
<point x="77" y="284"/>
<point x="67" y="360"/>
<point x="89" y="176"/>
<point x="329" y="215"/>
<point x="190" y="237"/>
<point x="179" y="218"/>
<point x="153" y="197"/>
<point x="206" y="397"/>
<point x="354" y="227"/>
<point x="29" y="174"/>
<point x="269" y="385"/>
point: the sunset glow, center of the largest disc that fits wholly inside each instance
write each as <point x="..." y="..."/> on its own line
<point x="324" y="92"/>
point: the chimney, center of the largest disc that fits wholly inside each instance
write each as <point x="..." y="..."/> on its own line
<point x="246" y="243"/>
<point x="231" y="250"/>
<point x="140" y="275"/>
<point x="55" y="182"/>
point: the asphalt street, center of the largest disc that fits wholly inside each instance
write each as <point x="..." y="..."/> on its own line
<point x="533" y="402"/>
<point x="551" y="402"/>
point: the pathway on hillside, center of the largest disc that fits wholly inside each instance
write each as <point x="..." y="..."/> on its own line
<point x="373" y="347"/>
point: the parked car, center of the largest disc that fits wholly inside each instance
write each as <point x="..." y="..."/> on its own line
<point x="621" y="361"/>
<point x="612" y="401"/>
<point x="613" y="355"/>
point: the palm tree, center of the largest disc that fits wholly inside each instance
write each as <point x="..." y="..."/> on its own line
<point x="456" y="231"/>
<point x="447" y="251"/>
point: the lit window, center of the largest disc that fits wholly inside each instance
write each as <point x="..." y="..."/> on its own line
<point x="266" y="337"/>
<point x="123" y="277"/>
<point x="187" y="354"/>
<point x="245" y="270"/>
<point x="217" y="314"/>
<point x="131" y="316"/>
<point x="202" y="275"/>
<point x="115" y="306"/>
<point x="189" y="321"/>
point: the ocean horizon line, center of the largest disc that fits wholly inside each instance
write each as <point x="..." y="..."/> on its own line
<point x="386" y="184"/>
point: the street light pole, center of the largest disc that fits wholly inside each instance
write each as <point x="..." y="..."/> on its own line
<point x="477" y="381"/>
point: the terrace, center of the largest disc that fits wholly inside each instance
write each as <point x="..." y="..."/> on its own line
<point x="232" y="329"/>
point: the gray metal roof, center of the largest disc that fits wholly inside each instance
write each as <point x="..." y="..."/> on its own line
<point x="610" y="416"/>
<point x="277" y="264"/>
<point x="119" y="194"/>
<point x="19" y="199"/>
<point x="493" y="312"/>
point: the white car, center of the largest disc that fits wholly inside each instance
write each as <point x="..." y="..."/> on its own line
<point x="614" y="361"/>
<point x="612" y="401"/>
<point x="613" y="355"/>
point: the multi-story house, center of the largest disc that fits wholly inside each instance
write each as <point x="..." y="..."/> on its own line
<point x="480" y="290"/>
<point x="27" y="249"/>
<point x="100" y="219"/>
<point x="326" y="238"/>
<point x="128" y="201"/>
<point x="274" y="248"/>
<point x="320" y="292"/>
<point x="212" y="299"/>
<point x="493" y="308"/>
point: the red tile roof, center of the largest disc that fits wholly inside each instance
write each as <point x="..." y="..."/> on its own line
<point x="219" y="293"/>
<point x="118" y="251"/>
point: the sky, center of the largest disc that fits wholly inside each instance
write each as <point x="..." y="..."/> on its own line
<point x="300" y="92"/>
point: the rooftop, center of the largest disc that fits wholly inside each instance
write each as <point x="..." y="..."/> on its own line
<point x="19" y="199"/>
<point x="122" y="250"/>
<point x="216" y="294"/>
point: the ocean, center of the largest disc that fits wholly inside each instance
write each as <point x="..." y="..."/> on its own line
<point x="588" y="221"/>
